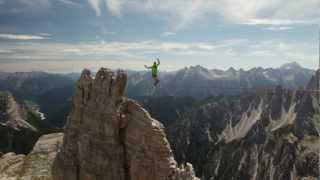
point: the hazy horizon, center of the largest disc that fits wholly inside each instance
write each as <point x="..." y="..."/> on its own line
<point x="95" y="69"/>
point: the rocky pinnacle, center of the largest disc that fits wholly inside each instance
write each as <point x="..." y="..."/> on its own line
<point x="110" y="137"/>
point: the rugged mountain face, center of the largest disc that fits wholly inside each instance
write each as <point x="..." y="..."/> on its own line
<point x="257" y="135"/>
<point x="60" y="100"/>
<point x="20" y="127"/>
<point x="110" y="137"/>
<point x="200" y="82"/>
<point x="314" y="82"/>
<point x="30" y="85"/>
<point x="52" y="92"/>
<point x="196" y="81"/>
<point x="265" y="135"/>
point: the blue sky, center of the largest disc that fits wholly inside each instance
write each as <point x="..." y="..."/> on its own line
<point x="68" y="35"/>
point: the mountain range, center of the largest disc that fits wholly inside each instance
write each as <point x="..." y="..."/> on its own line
<point x="195" y="81"/>
<point x="200" y="82"/>
<point x="31" y="85"/>
<point x="251" y="134"/>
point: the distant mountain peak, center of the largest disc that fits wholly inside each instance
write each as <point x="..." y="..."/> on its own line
<point x="231" y="69"/>
<point x="292" y="65"/>
<point x="195" y="70"/>
<point x="197" y="67"/>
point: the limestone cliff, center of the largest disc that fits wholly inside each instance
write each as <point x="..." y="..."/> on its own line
<point x="110" y="137"/>
<point x="34" y="166"/>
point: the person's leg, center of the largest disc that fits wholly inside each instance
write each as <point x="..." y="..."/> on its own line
<point x="156" y="80"/>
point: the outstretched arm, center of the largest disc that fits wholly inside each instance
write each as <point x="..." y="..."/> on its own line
<point x="158" y="61"/>
<point x="147" y="67"/>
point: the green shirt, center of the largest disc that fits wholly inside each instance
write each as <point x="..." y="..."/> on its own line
<point x="154" y="69"/>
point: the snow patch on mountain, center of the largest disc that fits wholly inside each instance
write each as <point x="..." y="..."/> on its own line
<point x="286" y="118"/>
<point x="268" y="76"/>
<point x="291" y="66"/>
<point x="13" y="111"/>
<point x="241" y="129"/>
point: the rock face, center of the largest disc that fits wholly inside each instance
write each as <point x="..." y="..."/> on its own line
<point x="110" y="137"/>
<point x="31" y="85"/>
<point x="16" y="133"/>
<point x="257" y="136"/>
<point x="34" y="166"/>
<point x="11" y="112"/>
<point x="314" y="82"/>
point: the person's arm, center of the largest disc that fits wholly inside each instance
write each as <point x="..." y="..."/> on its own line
<point x="158" y="62"/>
<point x="147" y="67"/>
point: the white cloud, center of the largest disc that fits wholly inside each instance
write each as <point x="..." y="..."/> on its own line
<point x="249" y="12"/>
<point x="56" y="66"/>
<point x="125" y="50"/>
<point x="114" y="6"/>
<point x="279" y="22"/>
<point x="34" y="4"/>
<point x="22" y="37"/>
<point x="278" y="28"/>
<point x="264" y="53"/>
<point x="95" y="4"/>
<point x="168" y="33"/>
<point x="4" y="51"/>
<point x="106" y="32"/>
<point x="45" y="34"/>
<point x="233" y="52"/>
<point x="38" y="50"/>
<point x="69" y="2"/>
<point x="285" y="51"/>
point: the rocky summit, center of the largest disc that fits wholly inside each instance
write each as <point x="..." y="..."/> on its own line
<point x="110" y="137"/>
<point x="107" y="137"/>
